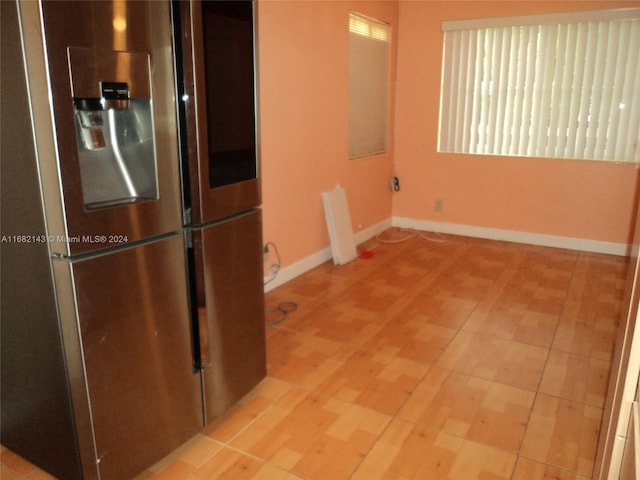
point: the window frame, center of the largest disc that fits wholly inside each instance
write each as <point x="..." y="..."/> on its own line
<point x="369" y="86"/>
<point x="548" y="97"/>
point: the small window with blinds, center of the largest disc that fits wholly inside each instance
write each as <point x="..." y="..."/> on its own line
<point x="368" y="86"/>
<point x="555" y="86"/>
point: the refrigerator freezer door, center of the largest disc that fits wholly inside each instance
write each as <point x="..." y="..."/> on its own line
<point x="143" y="395"/>
<point x="232" y="319"/>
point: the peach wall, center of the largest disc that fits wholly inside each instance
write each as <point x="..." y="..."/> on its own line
<point x="303" y="88"/>
<point x="589" y="200"/>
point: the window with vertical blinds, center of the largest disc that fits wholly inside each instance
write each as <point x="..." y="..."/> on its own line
<point x="368" y="86"/>
<point x="556" y="86"/>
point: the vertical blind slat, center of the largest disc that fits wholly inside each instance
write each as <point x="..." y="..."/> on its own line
<point x="468" y="99"/>
<point x="566" y="90"/>
<point x="514" y="98"/>
<point x="555" y="93"/>
<point x="500" y="87"/>
<point x="446" y="116"/>
<point x="460" y="81"/>
<point x="484" y="94"/>
<point x="607" y="85"/>
<point x="577" y="66"/>
<point x="595" y="91"/>
<point x="520" y="65"/>
<point x="544" y="96"/>
<point x="494" y="98"/>
<point x="522" y="102"/>
<point x="584" y="115"/>
<point x="477" y="99"/>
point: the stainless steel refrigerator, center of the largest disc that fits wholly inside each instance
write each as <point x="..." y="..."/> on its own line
<point x="132" y="297"/>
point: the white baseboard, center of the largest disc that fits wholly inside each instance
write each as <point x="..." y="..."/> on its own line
<point x="296" y="269"/>
<point x="371" y="232"/>
<point x="570" y="243"/>
<point x="610" y="248"/>
<point x="292" y="271"/>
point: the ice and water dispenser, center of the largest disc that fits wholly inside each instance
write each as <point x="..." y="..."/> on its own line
<point x="114" y="126"/>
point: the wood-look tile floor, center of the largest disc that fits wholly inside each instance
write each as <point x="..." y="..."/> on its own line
<point x="464" y="359"/>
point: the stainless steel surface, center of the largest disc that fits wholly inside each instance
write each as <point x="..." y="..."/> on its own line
<point x="120" y="167"/>
<point x="114" y="125"/>
<point x="33" y="385"/>
<point x="232" y="314"/>
<point x="76" y="374"/>
<point x="133" y="317"/>
<point x="138" y="27"/>
<point x="89" y="67"/>
<point x="207" y="203"/>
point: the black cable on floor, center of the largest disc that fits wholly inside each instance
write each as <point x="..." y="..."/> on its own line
<point x="284" y="308"/>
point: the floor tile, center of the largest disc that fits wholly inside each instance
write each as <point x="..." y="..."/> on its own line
<point x="293" y="355"/>
<point x="7" y="474"/>
<point x="314" y="284"/>
<point x="411" y="336"/>
<point x="371" y="296"/>
<point x="402" y="275"/>
<point x="367" y="377"/>
<point x="184" y="461"/>
<point x="313" y="435"/>
<point x="529" y="295"/>
<point x="503" y="361"/>
<point x="470" y="407"/>
<point x="527" y="469"/>
<point x="524" y="326"/>
<point x="575" y="377"/>
<point x="15" y="463"/>
<point x="597" y="288"/>
<point x="439" y="306"/>
<point x="174" y="470"/>
<point x="415" y="451"/>
<point x="38" y="474"/>
<point x="563" y="434"/>
<point x="586" y="336"/>
<point x="230" y="464"/>
<point x="337" y="322"/>
<point x="247" y="410"/>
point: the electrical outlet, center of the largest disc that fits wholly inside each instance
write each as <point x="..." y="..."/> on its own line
<point x="438" y="205"/>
